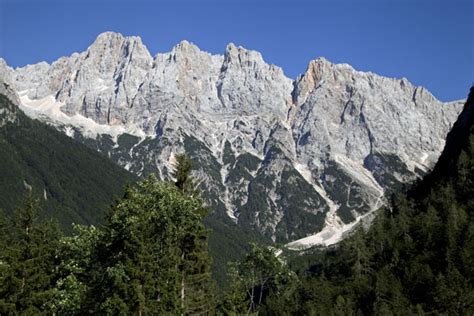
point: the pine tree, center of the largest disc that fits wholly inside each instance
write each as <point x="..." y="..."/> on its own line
<point x="196" y="280"/>
<point x="182" y="174"/>
<point x="28" y="262"/>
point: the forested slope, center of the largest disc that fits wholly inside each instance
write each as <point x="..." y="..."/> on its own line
<point x="73" y="183"/>
<point x="416" y="258"/>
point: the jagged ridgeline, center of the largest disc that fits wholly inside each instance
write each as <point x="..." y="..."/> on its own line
<point x="281" y="157"/>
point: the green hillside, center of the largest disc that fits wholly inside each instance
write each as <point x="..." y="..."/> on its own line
<point x="73" y="183"/>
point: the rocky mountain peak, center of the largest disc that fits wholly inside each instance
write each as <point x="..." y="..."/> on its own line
<point x="186" y="48"/>
<point x="5" y="71"/>
<point x="242" y="56"/>
<point x="274" y="154"/>
<point x="311" y="79"/>
<point x="4" y="65"/>
<point x="110" y="41"/>
<point x="107" y="39"/>
<point x="103" y="80"/>
<point x="188" y="56"/>
<point x="110" y="49"/>
<point x="249" y="84"/>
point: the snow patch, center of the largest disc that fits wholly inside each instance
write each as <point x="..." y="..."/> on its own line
<point x="334" y="229"/>
<point x="69" y="131"/>
<point x="101" y="86"/>
<point x="50" y="108"/>
<point x="333" y="232"/>
<point x="229" y="209"/>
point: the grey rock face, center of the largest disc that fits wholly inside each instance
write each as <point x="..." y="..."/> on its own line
<point x="343" y="118"/>
<point x="248" y="85"/>
<point x="8" y="111"/>
<point x="280" y="156"/>
<point x="99" y="83"/>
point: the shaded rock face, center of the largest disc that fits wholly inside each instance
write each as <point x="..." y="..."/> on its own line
<point x="8" y="110"/>
<point x="284" y="157"/>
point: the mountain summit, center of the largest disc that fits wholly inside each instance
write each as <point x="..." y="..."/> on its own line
<point x="287" y="158"/>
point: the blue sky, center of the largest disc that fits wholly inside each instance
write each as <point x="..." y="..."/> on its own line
<point x="430" y="42"/>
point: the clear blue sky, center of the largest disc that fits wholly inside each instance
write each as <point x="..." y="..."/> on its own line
<point x="430" y="42"/>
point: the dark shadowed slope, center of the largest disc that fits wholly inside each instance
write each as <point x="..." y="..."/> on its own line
<point x="73" y="183"/>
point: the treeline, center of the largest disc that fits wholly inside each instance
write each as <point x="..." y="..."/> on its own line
<point x="150" y="257"/>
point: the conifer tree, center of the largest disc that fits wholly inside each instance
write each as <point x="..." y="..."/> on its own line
<point x="182" y="174"/>
<point x="28" y="263"/>
<point x="196" y="281"/>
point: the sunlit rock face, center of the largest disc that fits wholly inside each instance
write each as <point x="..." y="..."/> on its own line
<point x="284" y="157"/>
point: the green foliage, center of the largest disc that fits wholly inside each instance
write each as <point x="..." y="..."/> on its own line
<point x="253" y="279"/>
<point x="72" y="183"/>
<point x="228" y="156"/>
<point x="152" y="256"/>
<point x="182" y="174"/>
<point x="78" y="256"/>
<point x="203" y="159"/>
<point x="304" y="209"/>
<point x="242" y="167"/>
<point x="341" y="187"/>
<point x="228" y="242"/>
<point x="385" y="166"/>
<point x="27" y="262"/>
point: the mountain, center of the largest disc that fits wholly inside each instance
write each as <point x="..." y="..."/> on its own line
<point x="417" y="257"/>
<point x="281" y="157"/>
<point x="455" y="164"/>
<point x="76" y="184"/>
<point x="73" y="183"/>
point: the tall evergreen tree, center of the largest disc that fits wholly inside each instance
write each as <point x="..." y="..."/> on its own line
<point x="27" y="267"/>
<point x="196" y="280"/>
<point x="182" y="173"/>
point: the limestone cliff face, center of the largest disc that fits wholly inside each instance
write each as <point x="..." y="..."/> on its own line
<point x="8" y="110"/>
<point x="282" y="156"/>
